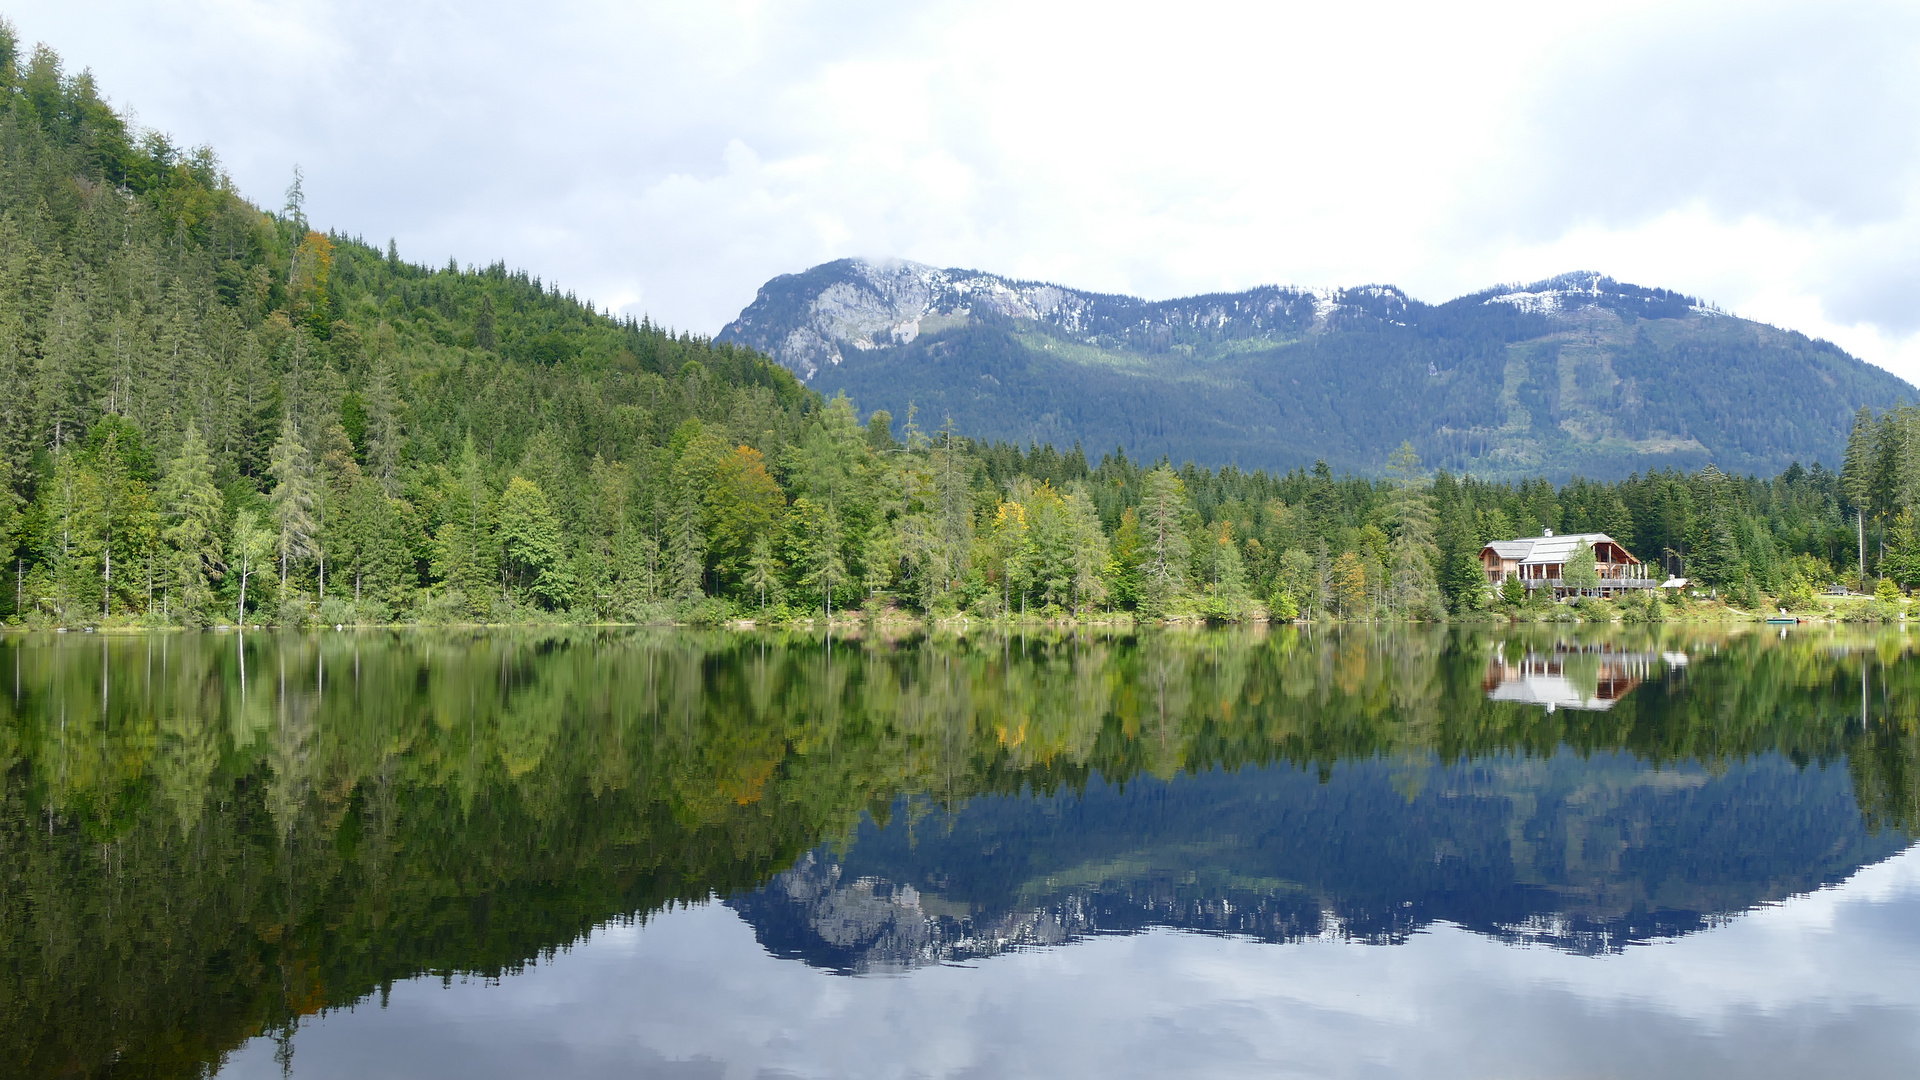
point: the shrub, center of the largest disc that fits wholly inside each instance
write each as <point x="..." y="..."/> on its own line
<point x="335" y="611"/>
<point x="295" y="610"/>
<point x="1283" y="607"/>
<point x="442" y="607"/>
<point x="1594" y="609"/>
<point x="1642" y="606"/>
<point x="702" y="611"/>
<point x="1875" y="611"/>
<point x="1216" y="608"/>
<point x="1513" y="591"/>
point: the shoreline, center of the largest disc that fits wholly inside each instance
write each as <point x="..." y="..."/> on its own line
<point x="894" y="619"/>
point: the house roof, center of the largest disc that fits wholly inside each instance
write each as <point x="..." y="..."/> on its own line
<point x="1551" y="550"/>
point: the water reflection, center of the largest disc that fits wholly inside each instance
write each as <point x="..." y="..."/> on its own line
<point x="1587" y="853"/>
<point x="1823" y="984"/>
<point x="1573" y="674"/>
<point x="208" y="837"/>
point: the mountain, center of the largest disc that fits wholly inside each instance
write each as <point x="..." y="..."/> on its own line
<point x="1578" y="374"/>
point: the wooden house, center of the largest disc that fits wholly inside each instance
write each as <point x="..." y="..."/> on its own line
<point x="1540" y="562"/>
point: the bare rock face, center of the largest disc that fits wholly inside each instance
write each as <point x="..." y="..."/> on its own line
<point x="808" y="321"/>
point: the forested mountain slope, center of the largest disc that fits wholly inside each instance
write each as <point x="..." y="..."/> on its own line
<point x="210" y="412"/>
<point x="205" y="406"/>
<point x="1578" y="375"/>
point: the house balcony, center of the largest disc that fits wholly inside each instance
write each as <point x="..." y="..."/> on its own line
<point x="1615" y="578"/>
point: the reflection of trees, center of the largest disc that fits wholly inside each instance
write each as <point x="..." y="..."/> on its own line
<point x="189" y="861"/>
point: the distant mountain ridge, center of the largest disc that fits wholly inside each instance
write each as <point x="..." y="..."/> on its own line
<point x="1575" y="374"/>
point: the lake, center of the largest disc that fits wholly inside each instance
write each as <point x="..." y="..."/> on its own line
<point x="1298" y="852"/>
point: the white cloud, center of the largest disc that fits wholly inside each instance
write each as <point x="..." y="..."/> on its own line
<point x="674" y="156"/>
<point x="1793" y="989"/>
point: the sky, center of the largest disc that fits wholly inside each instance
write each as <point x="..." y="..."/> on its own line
<point x="668" y="158"/>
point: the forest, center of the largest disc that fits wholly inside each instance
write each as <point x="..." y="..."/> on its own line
<point x="212" y="413"/>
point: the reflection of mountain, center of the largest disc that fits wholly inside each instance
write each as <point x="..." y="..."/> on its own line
<point x="867" y="925"/>
<point x="1585" y="854"/>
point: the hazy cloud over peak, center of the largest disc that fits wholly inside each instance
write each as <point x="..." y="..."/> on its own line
<point x="673" y="156"/>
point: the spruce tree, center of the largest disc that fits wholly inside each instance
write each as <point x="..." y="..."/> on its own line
<point x="818" y="536"/>
<point x="763" y="569"/>
<point x="1229" y="571"/>
<point x="953" y="506"/>
<point x="294" y="500"/>
<point x="383" y="438"/>
<point x="194" y="511"/>
<point x="1414" y="589"/>
<point x="1092" y="560"/>
<point x="1163" y="513"/>
<point x="463" y="549"/>
<point x="531" y="554"/>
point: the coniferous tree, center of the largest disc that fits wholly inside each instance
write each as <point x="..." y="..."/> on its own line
<point x="818" y="537"/>
<point x="12" y="532"/>
<point x="1414" y="588"/>
<point x="1092" y="561"/>
<point x="763" y="569"/>
<point x="1129" y="552"/>
<point x="953" y="507"/>
<point x="194" y="511"/>
<point x="383" y="435"/>
<point x="1163" y="512"/>
<point x="463" y="548"/>
<point x="1229" y="572"/>
<point x="295" y="501"/>
<point x="530" y="549"/>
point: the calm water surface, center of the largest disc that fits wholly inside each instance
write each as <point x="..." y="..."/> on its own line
<point x="628" y="854"/>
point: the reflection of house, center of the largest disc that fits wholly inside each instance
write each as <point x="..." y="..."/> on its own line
<point x="1571" y="676"/>
<point x="1540" y="562"/>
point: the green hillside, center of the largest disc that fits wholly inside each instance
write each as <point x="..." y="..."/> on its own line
<point x="174" y="359"/>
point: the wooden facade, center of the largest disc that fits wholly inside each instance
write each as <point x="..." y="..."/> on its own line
<point x="1540" y="563"/>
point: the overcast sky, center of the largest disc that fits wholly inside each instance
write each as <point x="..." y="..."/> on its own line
<point x="669" y="158"/>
